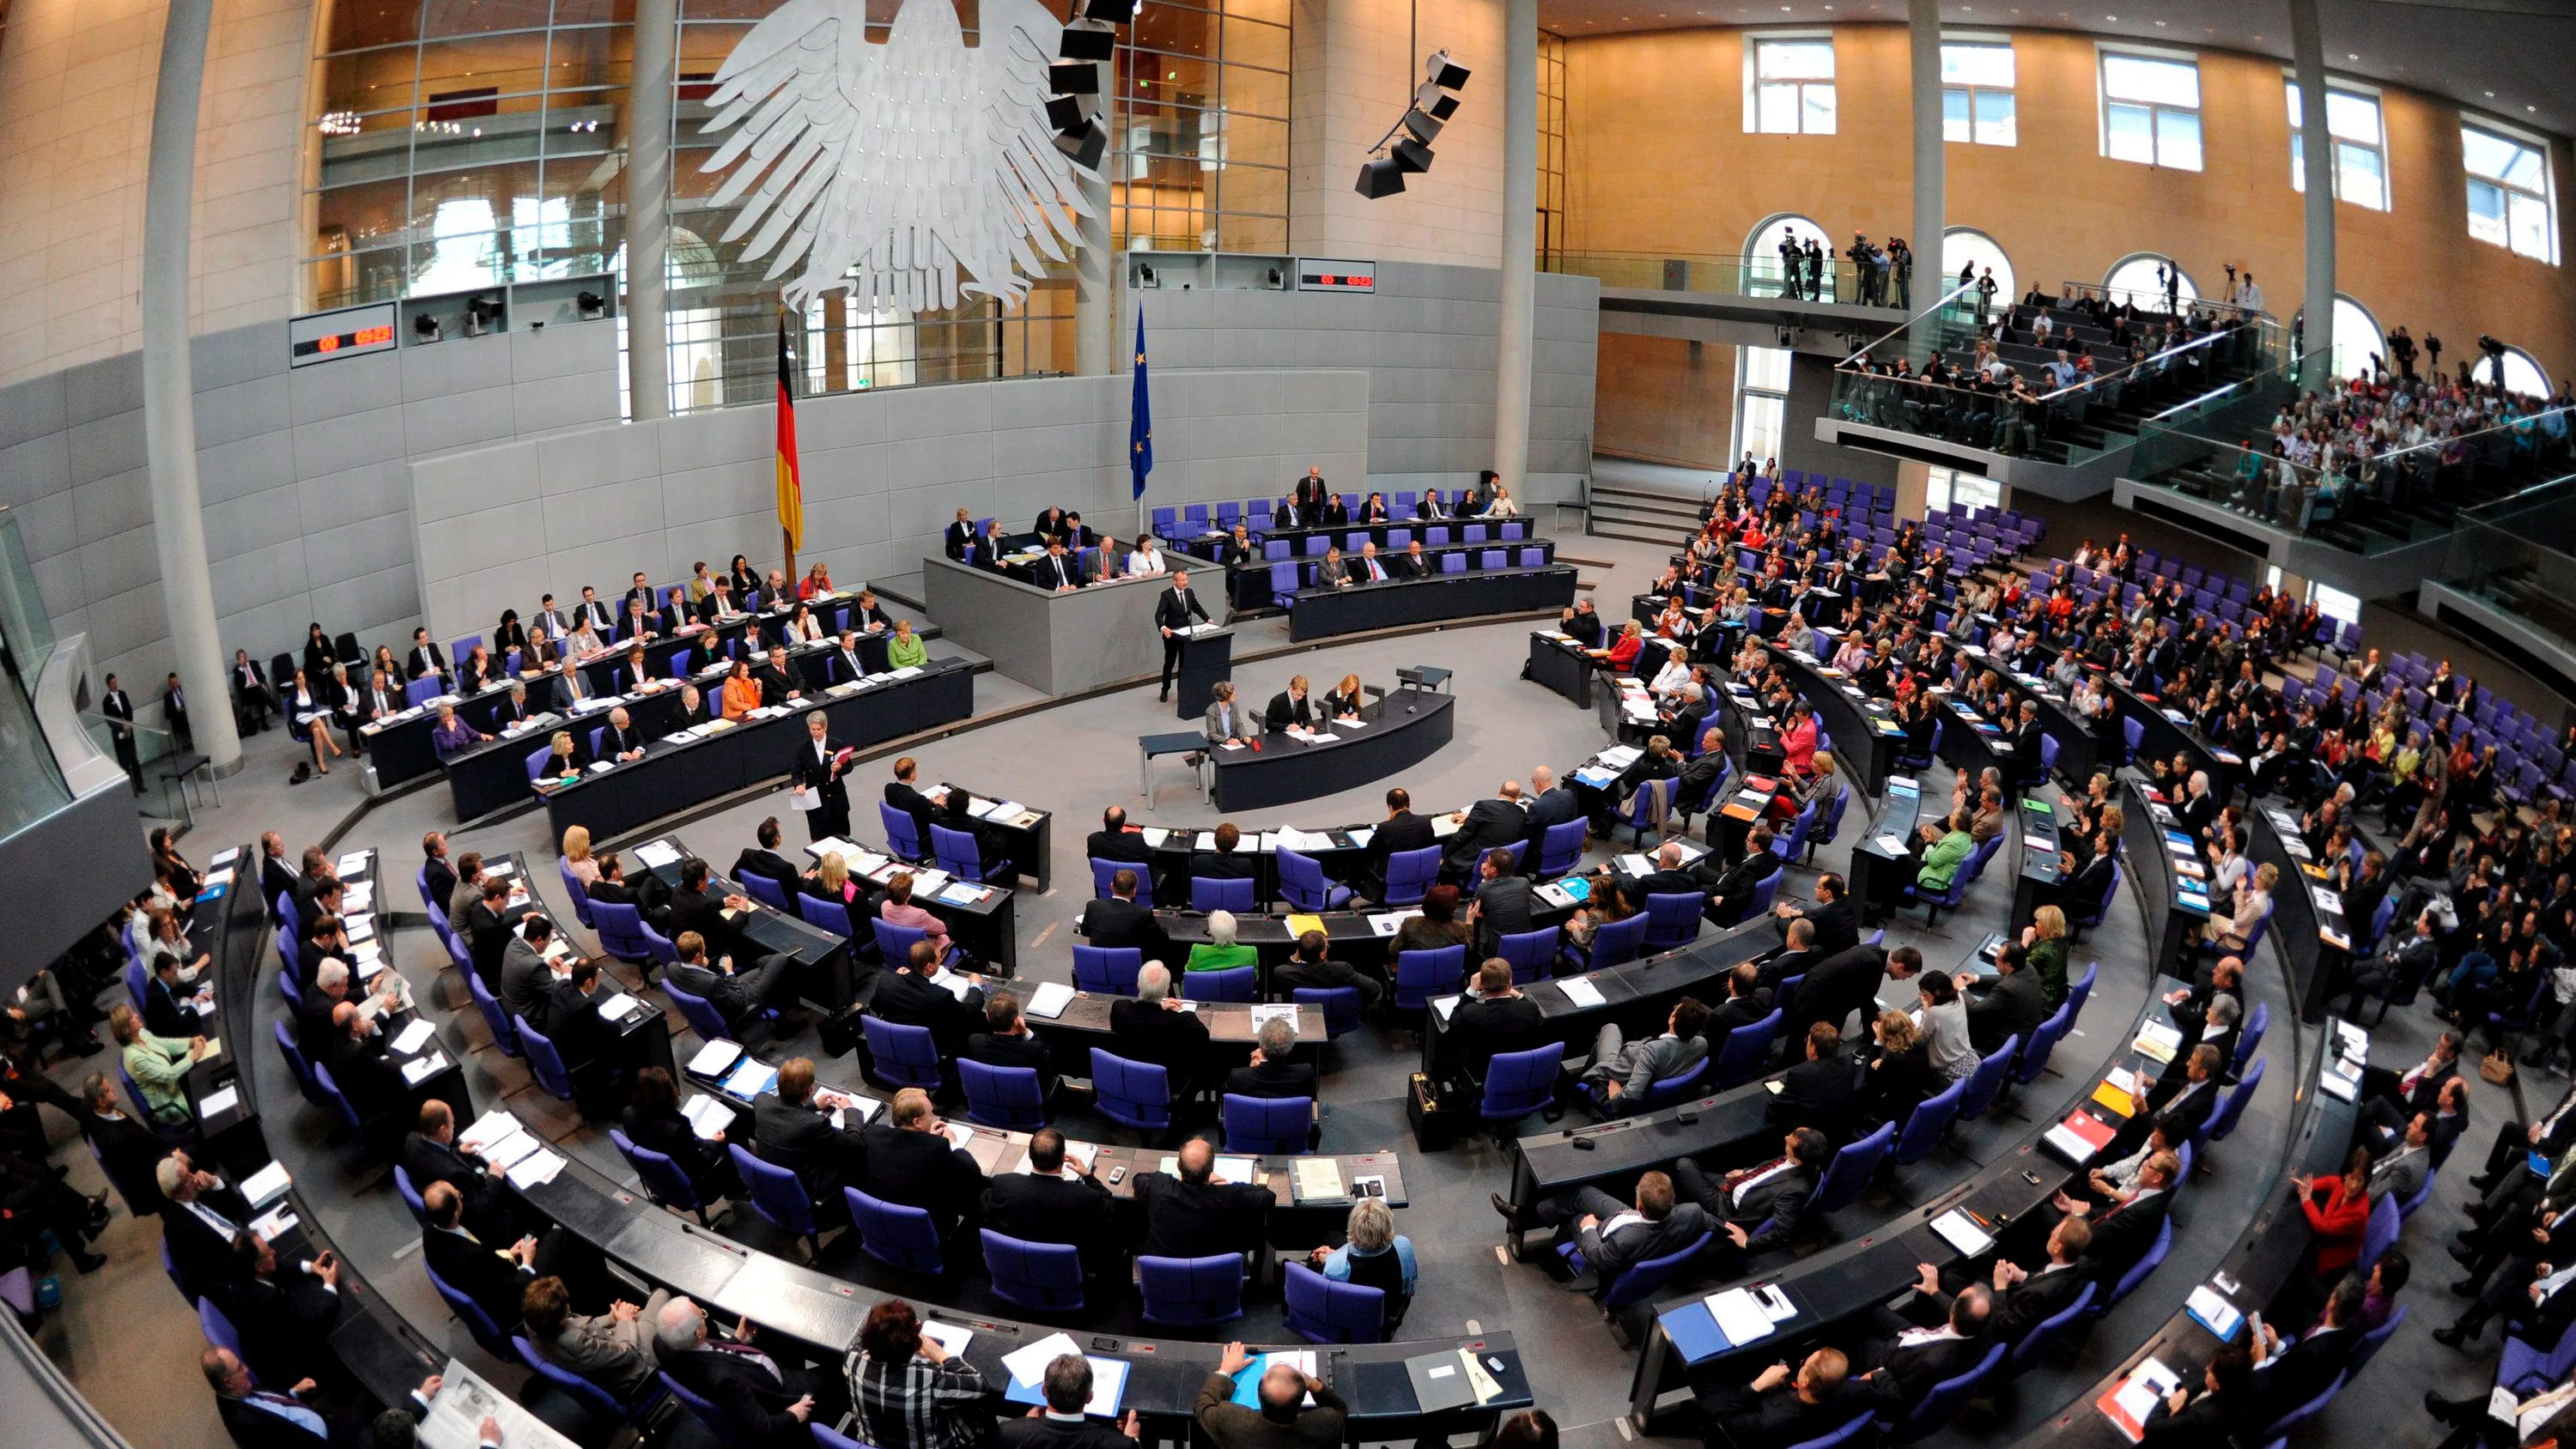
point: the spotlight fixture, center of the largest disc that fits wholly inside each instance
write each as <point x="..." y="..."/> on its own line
<point x="424" y="327"/>
<point x="1145" y="275"/>
<point x="589" y="306"/>
<point x="1406" y="146"/>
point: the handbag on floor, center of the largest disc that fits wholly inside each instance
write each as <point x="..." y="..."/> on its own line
<point x="2497" y="1067"/>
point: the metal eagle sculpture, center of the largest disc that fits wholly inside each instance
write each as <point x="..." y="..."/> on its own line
<point x="916" y="172"/>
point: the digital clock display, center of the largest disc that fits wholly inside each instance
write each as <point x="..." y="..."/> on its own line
<point x="1319" y="274"/>
<point x="349" y="332"/>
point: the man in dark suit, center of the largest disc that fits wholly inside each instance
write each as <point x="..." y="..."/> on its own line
<point x="1916" y="1357"/>
<point x="1114" y="841"/>
<point x="695" y="906"/>
<point x="1611" y="1237"/>
<point x="425" y="657"/>
<point x="1367" y="568"/>
<point x="1818" y="1091"/>
<point x="766" y="1401"/>
<point x="1747" y="1001"/>
<point x="281" y="1322"/>
<point x="761" y="858"/>
<point x="1151" y="1027"/>
<point x="1192" y="1215"/>
<point x="793" y="1128"/>
<point x="1730" y="888"/>
<point x="2026" y="738"/>
<point x="1836" y="987"/>
<point x="1796" y="958"/>
<point x="118" y="706"/>
<point x="431" y="1155"/>
<point x="904" y="795"/>
<point x="493" y="1278"/>
<point x="258" y="1418"/>
<point x="1758" y="1207"/>
<point x="1309" y="497"/>
<point x="1172" y="612"/>
<point x="2124" y="1231"/>
<point x="1056" y="571"/>
<point x="2015" y="1004"/>
<point x="1499" y="821"/>
<point x="910" y="1162"/>
<point x="527" y="977"/>
<point x="1550" y="804"/>
<point x="1057" y="1202"/>
<point x="1274" y="1071"/>
<point x="198" y="1225"/>
<point x="651" y="899"/>
<point x="1006" y="1041"/>
<point x="1493" y="1019"/>
<point x="738" y="993"/>
<point x="1504" y="905"/>
<point x="907" y="996"/>
<point x="1780" y="1408"/>
<point x="2188" y="1097"/>
<point x="2292" y="1377"/>
<point x="165" y="1013"/>
<point x="1413" y="563"/>
<point x="778" y="684"/>
<point x="252" y="701"/>
<point x="1066" y="1387"/>
<point x="621" y="740"/>
<point x="1402" y="831"/>
<point x="2023" y="1298"/>
<point x="585" y="1040"/>
<point x="128" y="1151"/>
<point x="1836" y="928"/>
<point x="1289" y="711"/>
<point x="1120" y="921"/>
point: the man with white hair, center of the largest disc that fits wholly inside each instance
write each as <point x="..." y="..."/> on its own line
<point x="2199" y="808"/>
<point x="1275" y="1073"/>
<point x="768" y="1402"/>
<point x="1153" y="1028"/>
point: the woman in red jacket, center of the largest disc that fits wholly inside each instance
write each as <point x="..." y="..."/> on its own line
<point x="1621" y="656"/>
<point x="2338" y="1211"/>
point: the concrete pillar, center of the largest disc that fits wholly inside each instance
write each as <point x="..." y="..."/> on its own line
<point x="648" y="207"/>
<point x="2316" y="144"/>
<point x="1520" y="245"/>
<point x="1095" y="286"/>
<point x="169" y="383"/>
<point x="1923" y="25"/>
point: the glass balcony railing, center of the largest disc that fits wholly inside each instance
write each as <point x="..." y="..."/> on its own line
<point x="31" y="782"/>
<point x="2364" y="505"/>
<point x="1833" y="280"/>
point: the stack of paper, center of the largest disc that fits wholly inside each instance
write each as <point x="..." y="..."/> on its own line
<point x="1739" y="1317"/>
<point x="265" y="1186"/>
<point x="750" y="1079"/>
<point x="1318" y="1177"/>
<point x="2079" y="1137"/>
<point x="424" y="1068"/>
<point x="1581" y="991"/>
<point x="2129" y="1403"/>
<point x="707" y="1116"/>
<point x="1049" y="1000"/>
<point x="714" y="1057"/>
<point x="409" y="1039"/>
<point x="1962" y="1233"/>
<point x="657" y="853"/>
<point x="217" y="1102"/>
<point x="535" y="1169"/>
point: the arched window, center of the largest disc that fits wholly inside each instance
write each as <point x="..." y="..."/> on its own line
<point x="2356" y="336"/>
<point x="2134" y="281"/>
<point x="1762" y="271"/>
<point x="2522" y="373"/>
<point x="1961" y="245"/>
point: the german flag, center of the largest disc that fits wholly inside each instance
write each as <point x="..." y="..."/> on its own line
<point x="791" y="483"/>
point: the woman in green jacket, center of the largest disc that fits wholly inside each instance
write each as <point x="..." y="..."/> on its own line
<point x="904" y="650"/>
<point x="2046" y="939"/>
<point x="1945" y="849"/>
<point x="1220" y="951"/>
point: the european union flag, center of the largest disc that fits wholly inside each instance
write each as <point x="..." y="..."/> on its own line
<point x="1140" y="417"/>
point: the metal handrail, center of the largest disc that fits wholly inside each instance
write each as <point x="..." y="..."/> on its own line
<point x="1944" y="300"/>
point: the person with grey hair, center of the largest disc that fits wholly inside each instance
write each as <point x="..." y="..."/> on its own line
<point x="1223" y="950"/>
<point x="1276" y="1073"/>
<point x="1373" y="1255"/>
<point x="766" y="1399"/>
<point x="1152" y="1027"/>
<point x="1059" y="1423"/>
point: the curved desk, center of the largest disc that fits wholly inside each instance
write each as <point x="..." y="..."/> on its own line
<point x="1402" y="730"/>
<point x="1831" y="1288"/>
<point x="676" y="775"/>
<point x="1320" y="613"/>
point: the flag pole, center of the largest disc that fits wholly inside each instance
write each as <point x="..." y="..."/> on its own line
<point x="786" y="539"/>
